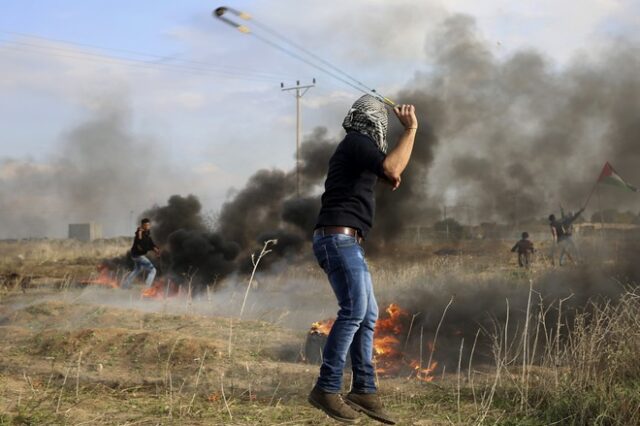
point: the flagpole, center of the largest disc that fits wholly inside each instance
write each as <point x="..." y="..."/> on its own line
<point x="595" y="185"/>
<point x="601" y="223"/>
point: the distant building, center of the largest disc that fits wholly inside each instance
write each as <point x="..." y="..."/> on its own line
<point x="581" y="227"/>
<point x="85" y="231"/>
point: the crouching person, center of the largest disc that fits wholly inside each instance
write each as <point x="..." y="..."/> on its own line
<point x="142" y="243"/>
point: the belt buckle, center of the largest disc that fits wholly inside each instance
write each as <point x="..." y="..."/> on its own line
<point x="356" y="235"/>
<point x="347" y="230"/>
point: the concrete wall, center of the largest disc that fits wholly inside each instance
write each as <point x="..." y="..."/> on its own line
<point x="85" y="231"/>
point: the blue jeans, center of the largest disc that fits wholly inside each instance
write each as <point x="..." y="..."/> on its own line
<point x="142" y="263"/>
<point x="342" y="259"/>
<point x="566" y="247"/>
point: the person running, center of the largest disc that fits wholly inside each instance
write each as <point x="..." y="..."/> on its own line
<point x="345" y="218"/>
<point x="142" y="243"/>
<point x="524" y="248"/>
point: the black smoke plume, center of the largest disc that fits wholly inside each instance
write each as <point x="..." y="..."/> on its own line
<point x="489" y="305"/>
<point x="267" y="208"/>
<point x="100" y="171"/>
<point x="511" y="137"/>
<point x="520" y="135"/>
<point x="257" y="207"/>
<point x="180" y="213"/>
<point x="202" y="256"/>
<point x="191" y="251"/>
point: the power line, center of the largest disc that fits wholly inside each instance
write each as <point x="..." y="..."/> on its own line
<point x="344" y="77"/>
<point x="110" y="58"/>
<point x="308" y="62"/>
<point x="311" y="54"/>
<point x="28" y="48"/>
<point x="148" y="55"/>
<point x="132" y="64"/>
<point x="185" y="66"/>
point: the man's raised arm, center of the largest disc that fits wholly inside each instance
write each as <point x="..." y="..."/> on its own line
<point x="398" y="158"/>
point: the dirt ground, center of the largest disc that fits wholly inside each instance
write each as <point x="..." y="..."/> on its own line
<point x="94" y="355"/>
<point x="66" y="360"/>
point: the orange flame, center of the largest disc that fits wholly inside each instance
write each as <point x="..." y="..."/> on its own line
<point x="424" y="374"/>
<point x="391" y="324"/>
<point x="105" y="278"/>
<point x="153" y="292"/>
<point x="160" y="290"/>
<point x="389" y="357"/>
<point x="385" y="345"/>
<point x="322" y="327"/>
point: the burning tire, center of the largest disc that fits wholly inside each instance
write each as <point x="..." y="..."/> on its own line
<point x="316" y="339"/>
<point x="313" y="347"/>
<point x="390" y="357"/>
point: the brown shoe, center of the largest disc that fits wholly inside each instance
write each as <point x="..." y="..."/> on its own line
<point x="333" y="405"/>
<point x="369" y="404"/>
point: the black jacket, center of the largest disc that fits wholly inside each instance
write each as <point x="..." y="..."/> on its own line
<point x="142" y="243"/>
<point x="349" y="198"/>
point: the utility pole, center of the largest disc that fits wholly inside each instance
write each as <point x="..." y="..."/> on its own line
<point x="446" y="222"/>
<point x="516" y="218"/>
<point x="467" y="211"/>
<point x="299" y="93"/>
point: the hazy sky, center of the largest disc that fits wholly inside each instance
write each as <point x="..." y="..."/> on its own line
<point x="214" y="128"/>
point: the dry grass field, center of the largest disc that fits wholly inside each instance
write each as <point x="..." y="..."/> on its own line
<point x="83" y="354"/>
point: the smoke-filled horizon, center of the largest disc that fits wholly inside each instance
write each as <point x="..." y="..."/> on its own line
<point x="521" y="137"/>
<point x="102" y="171"/>
<point x="513" y="140"/>
<point x="505" y="138"/>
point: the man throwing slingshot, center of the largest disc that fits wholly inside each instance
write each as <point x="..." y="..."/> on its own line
<point x="346" y="216"/>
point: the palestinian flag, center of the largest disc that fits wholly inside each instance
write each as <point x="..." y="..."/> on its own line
<point x="610" y="177"/>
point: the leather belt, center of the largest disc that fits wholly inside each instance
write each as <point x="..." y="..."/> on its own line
<point x="331" y="230"/>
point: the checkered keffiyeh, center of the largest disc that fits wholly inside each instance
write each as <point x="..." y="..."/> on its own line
<point x="369" y="116"/>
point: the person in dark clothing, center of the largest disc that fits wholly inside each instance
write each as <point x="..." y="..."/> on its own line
<point x="561" y="231"/>
<point x="525" y="250"/>
<point x="142" y="243"/>
<point x="344" y="221"/>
